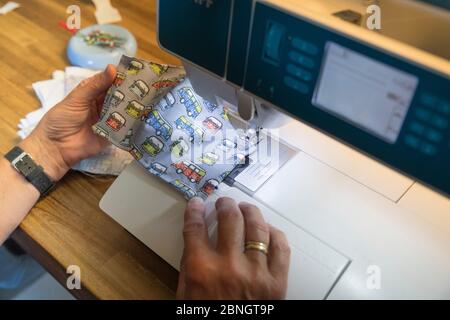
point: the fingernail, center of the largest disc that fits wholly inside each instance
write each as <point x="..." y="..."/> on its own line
<point x="225" y="202"/>
<point x="196" y="202"/>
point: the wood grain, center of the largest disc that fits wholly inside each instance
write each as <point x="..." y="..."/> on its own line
<point x="68" y="228"/>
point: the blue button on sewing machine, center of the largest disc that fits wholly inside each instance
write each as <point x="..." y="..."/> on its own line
<point x="423" y="115"/>
<point x="428" y="149"/>
<point x="417" y="128"/>
<point x="433" y="135"/>
<point x="99" y="45"/>
<point x="301" y="59"/>
<point x="439" y="122"/>
<point x="305" y="46"/>
<point x="296" y="85"/>
<point x="412" y="141"/>
<point x="428" y="100"/>
<point x="444" y="107"/>
<point x="299" y="72"/>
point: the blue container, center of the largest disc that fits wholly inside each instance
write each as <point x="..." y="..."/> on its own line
<point x="94" y="56"/>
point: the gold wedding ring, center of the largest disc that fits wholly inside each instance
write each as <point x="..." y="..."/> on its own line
<point x="258" y="246"/>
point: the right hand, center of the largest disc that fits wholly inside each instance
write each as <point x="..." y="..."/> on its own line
<point x="229" y="272"/>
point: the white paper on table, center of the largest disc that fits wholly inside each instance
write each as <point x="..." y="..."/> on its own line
<point x="49" y="92"/>
<point x="74" y="75"/>
<point x="8" y="7"/>
<point x="105" y="12"/>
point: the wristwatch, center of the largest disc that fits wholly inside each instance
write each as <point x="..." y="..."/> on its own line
<point x="33" y="173"/>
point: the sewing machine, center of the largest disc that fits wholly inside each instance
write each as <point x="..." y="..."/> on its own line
<point x="361" y="179"/>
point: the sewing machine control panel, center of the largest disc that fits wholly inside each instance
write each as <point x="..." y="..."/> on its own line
<point x="381" y="104"/>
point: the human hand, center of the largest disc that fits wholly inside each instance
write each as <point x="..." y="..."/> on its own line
<point x="64" y="136"/>
<point x="229" y="272"/>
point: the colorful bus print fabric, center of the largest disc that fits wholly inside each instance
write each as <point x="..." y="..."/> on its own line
<point x="153" y="112"/>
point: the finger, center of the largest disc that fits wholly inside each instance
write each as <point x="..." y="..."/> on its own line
<point x="230" y="226"/>
<point x="279" y="255"/>
<point x="181" y="289"/>
<point x="96" y="85"/>
<point x="195" y="232"/>
<point x="256" y="230"/>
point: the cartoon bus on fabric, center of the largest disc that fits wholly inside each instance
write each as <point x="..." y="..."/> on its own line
<point x="190" y="102"/>
<point x="162" y="127"/>
<point x="153" y="145"/>
<point x="120" y="78"/>
<point x="212" y="124"/>
<point x="134" y="109"/>
<point x="187" y="191"/>
<point x="190" y="170"/>
<point x="116" y="98"/>
<point x="136" y="153"/>
<point x="134" y="67"/>
<point x="157" y="169"/>
<point x="179" y="148"/>
<point x="116" y="121"/>
<point x="158" y="69"/>
<point x="139" y="88"/>
<point x="209" y="158"/>
<point x="167" y="101"/>
<point x="194" y="132"/>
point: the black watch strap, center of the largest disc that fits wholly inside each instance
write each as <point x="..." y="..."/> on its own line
<point x="33" y="173"/>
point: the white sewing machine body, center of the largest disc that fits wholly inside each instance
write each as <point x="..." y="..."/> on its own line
<point x="358" y="228"/>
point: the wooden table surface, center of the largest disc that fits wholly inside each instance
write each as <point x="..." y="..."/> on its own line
<point x="68" y="227"/>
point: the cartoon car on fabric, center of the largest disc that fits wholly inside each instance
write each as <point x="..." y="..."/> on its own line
<point x="167" y="102"/>
<point x="120" y="78"/>
<point x="194" y="132"/>
<point x="139" y="88"/>
<point x="116" y="98"/>
<point x="116" y="121"/>
<point x="209" y="158"/>
<point x="212" y="124"/>
<point x="157" y="169"/>
<point x="190" y="101"/>
<point x="179" y="148"/>
<point x="162" y="127"/>
<point x="136" y="153"/>
<point x="134" y="109"/>
<point x="210" y="106"/>
<point x="210" y="186"/>
<point x="158" y="69"/>
<point x="153" y="145"/>
<point x="190" y="170"/>
<point x="134" y="67"/>
<point x="187" y="191"/>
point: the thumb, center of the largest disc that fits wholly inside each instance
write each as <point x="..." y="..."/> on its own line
<point x="91" y="88"/>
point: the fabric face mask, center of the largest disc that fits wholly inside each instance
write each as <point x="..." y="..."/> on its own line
<point x="153" y="112"/>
